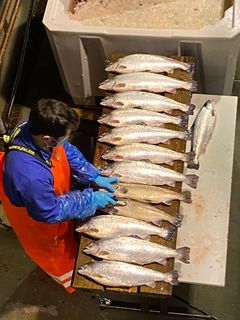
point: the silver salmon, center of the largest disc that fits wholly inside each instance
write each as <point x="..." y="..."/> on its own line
<point x="134" y="250"/>
<point x="150" y="194"/>
<point x="106" y="226"/>
<point x="145" y="100"/>
<point x="141" y="133"/>
<point x="121" y="274"/>
<point x="144" y="212"/>
<point x="131" y="116"/>
<point x="147" y="173"/>
<point x="143" y="151"/>
<point x="147" y="62"/>
<point x="146" y="81"/>
<point x="202" y="128"/>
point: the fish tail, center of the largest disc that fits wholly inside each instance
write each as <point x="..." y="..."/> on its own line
<point x="191" y="85"/>
<point x="170" y="233"/>
<point x="190" y="156"/>
<point x="183" y="254"/>
<point x="177" y="221"/>
<point x="188" y="135"/>
<point x="172" y="277"/>
<point x="191" y="109"/>
<point x="193" y="165"/>
<point x="192" y="180"/>
<point x="184" y="121"/>
<point x="187" y="197"/>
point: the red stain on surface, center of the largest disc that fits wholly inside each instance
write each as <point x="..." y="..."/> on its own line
<point x="199" y="207"/>
<point x="201" y="254"/>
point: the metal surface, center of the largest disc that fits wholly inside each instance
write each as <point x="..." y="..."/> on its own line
<point x="7" y="19"/>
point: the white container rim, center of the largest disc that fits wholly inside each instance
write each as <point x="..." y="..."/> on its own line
<point x="57" y="19"/>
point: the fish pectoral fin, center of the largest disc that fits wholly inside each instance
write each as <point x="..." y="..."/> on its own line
<point x="162" y="261"/>
<point x="120" y="85"/>
<point x="117" y="139"/>
<point x="97" y="275"/>
<point x="143" y="236"/>
<point x="167" y="202"/>
<point x="115" y="121"/>
<point x="119" y="157"/>
<point x="104" y="253"/>
<point x="173" y="91"/>
<point x="151" y="284"/>
<point x="93" y="230"/>
<point x="171" y="183"/>
<point x="157" y="222"/>
<point x="135" y="237"/>
<point x="118" y="104"/>
<point x="122" y="66"/>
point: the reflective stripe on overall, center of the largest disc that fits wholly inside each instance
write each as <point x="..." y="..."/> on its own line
<point x="52" y="246"/>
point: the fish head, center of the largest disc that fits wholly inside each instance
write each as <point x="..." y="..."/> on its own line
<point x="109" y="154"/>
<point x="107" y="101"/>
<point x="92" y="248"/>
<point x="107" y="84"/>
<point x="112" y="154"/>
<point x="105" y="137"/>
<point x="209" y="104"/>
<point x="112" y="66"/>
<point x="111" y="101"/>
<point x="83" y="227"/>
<point x="105" y="118"/>
<point x="86" y="269"/>
<point x="109" y="138"/>
<point x="106" y="170"/>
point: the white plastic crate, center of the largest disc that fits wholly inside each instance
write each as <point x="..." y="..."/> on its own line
<point x="81" y="51"/>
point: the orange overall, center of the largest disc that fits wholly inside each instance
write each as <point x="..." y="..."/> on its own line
<point x="51" y="246"/>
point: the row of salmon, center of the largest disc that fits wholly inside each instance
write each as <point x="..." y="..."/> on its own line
<point x="138" y="126"/>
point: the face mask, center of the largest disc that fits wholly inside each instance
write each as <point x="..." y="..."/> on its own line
<point x="56" y="143"/>
<point x="61" y="142"/>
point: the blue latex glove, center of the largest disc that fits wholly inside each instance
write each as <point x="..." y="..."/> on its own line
<point x="105" y="182"/>
<point x="103" y="198"/>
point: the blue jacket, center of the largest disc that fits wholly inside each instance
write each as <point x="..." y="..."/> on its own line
<point x="28" y="182"/>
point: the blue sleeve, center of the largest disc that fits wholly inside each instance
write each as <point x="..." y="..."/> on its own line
<point x="81" y="169"/>
<point x="39" y="199"/>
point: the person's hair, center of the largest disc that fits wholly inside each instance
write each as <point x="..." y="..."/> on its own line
<point x="52" y="117"/>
